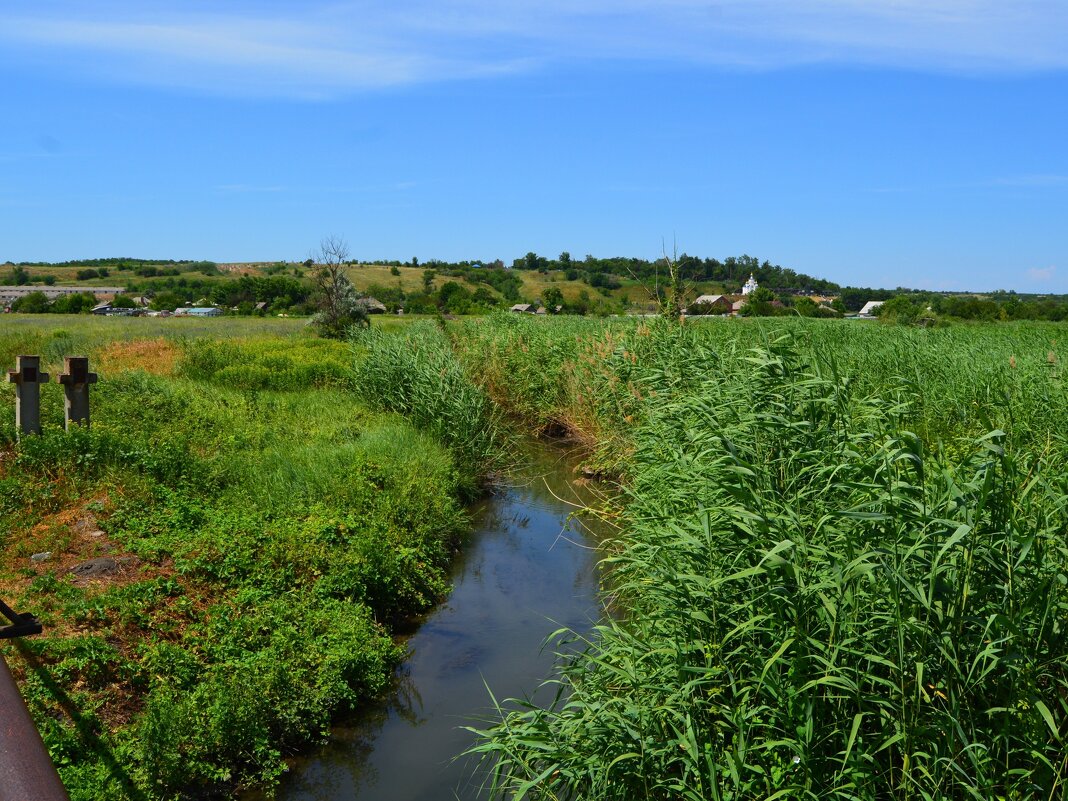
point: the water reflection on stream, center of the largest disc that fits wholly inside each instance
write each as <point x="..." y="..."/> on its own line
<point x="524" y="573"/>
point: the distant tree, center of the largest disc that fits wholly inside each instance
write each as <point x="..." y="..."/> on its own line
<point x="483" y="297"/>
<point x="78" y="303"/>
<point x="904" y="310"/>
<point x="49" y="280"/>
<point x="806" y="307"/>
<point x="166" y="301"/>
<point x="582" y="304"/>
<point x="532" y="261"/>
<point x="758" y="303"/>
<point x="551" y="298"/>
<point x="32" y="303"/>
<point x="454" y="299"/>
<point x="339" y="309"/>
<point x="428" y="279"/>
<point x="123" y="302"/>
<point x="394" y="270"/>
<point x="88" y="274"/>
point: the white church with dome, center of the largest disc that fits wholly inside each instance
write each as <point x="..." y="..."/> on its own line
<point x="750" y="286"/>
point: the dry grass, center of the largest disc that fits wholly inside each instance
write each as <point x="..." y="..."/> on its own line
<point x="158" y="356"/>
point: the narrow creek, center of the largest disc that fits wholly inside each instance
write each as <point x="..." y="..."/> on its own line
<point x="526" y="570"/>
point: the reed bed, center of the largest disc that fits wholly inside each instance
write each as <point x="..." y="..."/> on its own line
<point x="843" y="568"/>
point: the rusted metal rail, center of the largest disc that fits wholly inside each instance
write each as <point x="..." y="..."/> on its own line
<point x="26" y="770"/>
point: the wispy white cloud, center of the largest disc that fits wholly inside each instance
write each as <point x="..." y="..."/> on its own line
<point x="239" y="54"/>
<point x="244" y="189"/>
<point x="314" y="49"/>
<point x="261" y="189"/>
<point x="1035" y="181"/>
<point x="1041" y="275"/>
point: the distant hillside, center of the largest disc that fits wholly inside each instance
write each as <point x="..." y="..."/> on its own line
<point x="592" y="285"/>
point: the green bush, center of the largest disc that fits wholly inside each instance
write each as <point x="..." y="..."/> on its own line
<point x="275" y="677"/>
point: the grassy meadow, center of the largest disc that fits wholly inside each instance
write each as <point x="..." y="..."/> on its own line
<point x="841" y="562"/>
<point x="266" y="530"/>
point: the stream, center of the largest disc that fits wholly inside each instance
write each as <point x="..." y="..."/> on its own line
<point x="524" y="572"/>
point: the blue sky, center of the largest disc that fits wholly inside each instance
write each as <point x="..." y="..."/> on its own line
<point x="872" y="142"/>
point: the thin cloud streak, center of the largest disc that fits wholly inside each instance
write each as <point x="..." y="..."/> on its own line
<point x="1036" y="181"/>
<point x="242" y="189"/>
<point x="243" y="55"/>
<point x="316" y="50"/>
<point x="1041" y="274"/>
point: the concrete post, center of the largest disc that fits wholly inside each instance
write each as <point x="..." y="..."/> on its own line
<point x="27" y="378"/>
<point x="76" y="380"/>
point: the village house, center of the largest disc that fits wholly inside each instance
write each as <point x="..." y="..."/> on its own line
<point x="109" y="310"/>
<point x="9" y="294"/>
<point x="198" y="311"/>
<point x="372" y="305"/>
<point x="868" y="311"/>
<point x="711" y="304"/>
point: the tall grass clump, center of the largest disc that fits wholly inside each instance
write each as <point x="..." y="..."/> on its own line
<point x="416" y="374"/>
<point x="524" y="362"/>
<point x="584" y="379"/>
<point x="815" y="607"/>
<point x="261" y="364"/>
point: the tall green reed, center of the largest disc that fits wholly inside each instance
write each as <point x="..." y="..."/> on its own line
<point x="817" y="606"/>
<point x="416" y="374"/>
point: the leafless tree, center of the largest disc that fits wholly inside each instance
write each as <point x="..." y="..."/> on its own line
<point x="339" y="308"/>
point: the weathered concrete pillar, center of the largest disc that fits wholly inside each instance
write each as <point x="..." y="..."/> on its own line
<point x="27" y="378"/>
<point x="76" y="380"/>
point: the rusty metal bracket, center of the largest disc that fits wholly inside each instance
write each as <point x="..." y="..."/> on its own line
<point x="22" y="625"/>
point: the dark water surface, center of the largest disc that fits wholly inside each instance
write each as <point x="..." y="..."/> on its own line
<point x="525" y="572"/>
